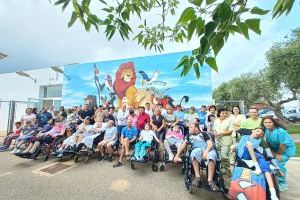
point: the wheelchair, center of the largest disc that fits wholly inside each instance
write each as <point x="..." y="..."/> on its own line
<point x="240" y="164"/>
<point x="189" y="172"/>
<point x="165" y="158"/>
<point x="148" y="157"/>
<point x="46" y="149"/>
<point x="88" y="152"/>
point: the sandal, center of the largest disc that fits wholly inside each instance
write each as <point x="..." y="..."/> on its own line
<point x="213" y="186"/>
<point x="118" y="164"/>
<point x="227" y="174"/>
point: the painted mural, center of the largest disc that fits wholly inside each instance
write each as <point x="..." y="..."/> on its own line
<point x="134" y="82"/>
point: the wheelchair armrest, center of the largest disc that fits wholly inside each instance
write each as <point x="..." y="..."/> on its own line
<point x="244" y="131"/>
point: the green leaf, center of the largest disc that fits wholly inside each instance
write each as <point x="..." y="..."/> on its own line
<point x="259" y="11"/>
<point x="187" y="15"/>
<point x="87" y="25"/>
<point x="210" y="28"/>
<point x="234" y="28"/>
<point x="277" y="8"/>
<point x="104" y="2"/>
<point x="208" y="2"/>
<point x="61" y="2"/>
<point x="254" y="24"/>
<point x="197" y="70"/>
<point x="211" y="61"/>
<point x="196" y="2"/>
<point x="244" y="29"/>
<point x="183" y="60"/>
<point x="199" y="26"/>
<point x="191" y="29"/>
<point x="218" y="43"/>
<point x="186" y="68"/>
<point x="73" y="19"/>
<point x="125" y="15"/>
<point x="225" y="12"/>
<point x="204" y="45"/>
<point x="112" y="32"/>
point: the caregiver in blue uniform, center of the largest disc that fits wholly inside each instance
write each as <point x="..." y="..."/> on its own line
<point x="281" y="145"/>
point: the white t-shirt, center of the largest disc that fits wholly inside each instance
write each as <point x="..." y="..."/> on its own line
<point x="163" y="112"/>
<point x="149" y="112"/>
<point x="121" y="118"/>
<point x="26" y="118"/>
<point x="190" y="117"/>
<point x="147" y="135"/>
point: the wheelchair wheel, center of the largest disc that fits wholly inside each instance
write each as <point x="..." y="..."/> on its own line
<point x="162" y="167"/>
<point x="46" y="157"/>
<point x="76" y="157"/>
<point x="87" y="159"/>
<point x="154" y="168"/>
<point x="188" y="185"/>
<point x="276" y="186"/>
<point x="132" y="165"/>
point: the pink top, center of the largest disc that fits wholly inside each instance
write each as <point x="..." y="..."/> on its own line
<point x="56" y="130"/>
<point x="133" y="119"/>
<point x="177" y="135"/>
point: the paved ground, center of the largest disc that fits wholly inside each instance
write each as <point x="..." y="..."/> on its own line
<point x="20" y="179"/>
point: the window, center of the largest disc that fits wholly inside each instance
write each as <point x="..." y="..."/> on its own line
<point x="291" y="112"/>
<point x="50" y="96"/>
<point x="51" y="91"/>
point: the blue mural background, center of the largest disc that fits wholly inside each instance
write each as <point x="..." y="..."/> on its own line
<point x="82" y="82"/>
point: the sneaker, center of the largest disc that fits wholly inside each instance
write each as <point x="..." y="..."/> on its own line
<point x="18" y="151"/>
<point x="110" y="159"/>
<point x="196" y="182"/>
<point x="140" y="159"/>
<point x="100" y="157"/>
<point x="118" y="164"/>
<point x="171" y="157"/>
<point x="60" y="155"/>
<point x="14" y="151"/>
<point x="105" y="158"/>
<point x="283" y="187"/>
<point x="133" y="158"/>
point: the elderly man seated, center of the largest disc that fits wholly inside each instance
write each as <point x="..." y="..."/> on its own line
<point x="128" y="137"/>
<point x="202" y="150"/>
<point x="109" y="140"/>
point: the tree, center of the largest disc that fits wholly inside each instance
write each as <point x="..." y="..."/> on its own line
<point x="210" y="21"/>
<point x="243" y="88"/>
<point x="275" y="85"/>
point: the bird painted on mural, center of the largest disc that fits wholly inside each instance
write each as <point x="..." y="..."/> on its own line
<point x="157" y="93"/>
<point x="109" y="83"/>
<point x="153" y="79"/>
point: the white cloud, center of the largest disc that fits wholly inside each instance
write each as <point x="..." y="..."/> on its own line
<point x="200" y="82"/>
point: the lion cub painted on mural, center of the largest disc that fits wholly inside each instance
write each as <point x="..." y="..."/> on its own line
<point x="124" y="85"/>
<point x="143" y="97"/>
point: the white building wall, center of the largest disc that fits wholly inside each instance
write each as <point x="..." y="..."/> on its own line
<point x="19" y="88"/>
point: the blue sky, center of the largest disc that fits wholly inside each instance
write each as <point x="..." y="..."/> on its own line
<point x="82" y="79"/>
<point x="40" y="38"/>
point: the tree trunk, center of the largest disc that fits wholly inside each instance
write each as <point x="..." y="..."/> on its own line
<point x="282" y="120"/>
<point x="276" y="107"/>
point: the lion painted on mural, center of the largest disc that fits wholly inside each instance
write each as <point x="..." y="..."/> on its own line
<point x="124" y="84"/>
